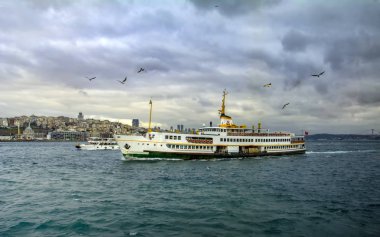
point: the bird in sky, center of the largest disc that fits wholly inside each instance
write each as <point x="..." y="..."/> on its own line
<point x="141" y="70"/>
<point x="318" y="75"/>
<point x="283" y="107"/>
<point x="268" y="85"/>
<point x="123" y="81"/>
<point x="90" y="79"/>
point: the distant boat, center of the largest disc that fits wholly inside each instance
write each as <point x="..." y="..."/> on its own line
<point x="99" y="144"/>
<point x="223" y="141"/>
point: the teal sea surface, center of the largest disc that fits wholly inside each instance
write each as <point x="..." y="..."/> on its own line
<point x="52" y="189"/>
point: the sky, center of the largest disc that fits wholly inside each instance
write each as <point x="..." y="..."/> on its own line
<point x="191" y="51"/>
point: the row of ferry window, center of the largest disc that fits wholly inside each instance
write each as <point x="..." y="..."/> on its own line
<point x="214" y="130"/>
<point x="281" y="147"/>
<point x="147" y="144"/>
<point x="253" y="140"/>
<point x="186" y="147"/>
<point x="173" y="137"/>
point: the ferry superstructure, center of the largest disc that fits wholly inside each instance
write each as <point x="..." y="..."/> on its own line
<point x="224" y="141"/>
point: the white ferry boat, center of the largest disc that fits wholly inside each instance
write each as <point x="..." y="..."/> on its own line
<point x="99" y="144"/>
<point x="224" y="141"/>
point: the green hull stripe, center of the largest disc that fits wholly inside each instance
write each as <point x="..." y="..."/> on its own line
<point x="193" y="156"/>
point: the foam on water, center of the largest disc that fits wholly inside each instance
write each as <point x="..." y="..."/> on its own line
<point x="337" y="152"/>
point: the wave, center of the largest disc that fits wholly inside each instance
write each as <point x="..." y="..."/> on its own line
<point x="337" y="152"/>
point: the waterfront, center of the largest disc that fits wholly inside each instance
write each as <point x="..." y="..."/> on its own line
<point x="52" y="189"/>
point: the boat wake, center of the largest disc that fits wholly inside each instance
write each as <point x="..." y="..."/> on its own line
<point x="149" y="159"/>
<point x="337" y="152"/>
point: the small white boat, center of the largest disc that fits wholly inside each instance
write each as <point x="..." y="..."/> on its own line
<point x="99" y="144"/>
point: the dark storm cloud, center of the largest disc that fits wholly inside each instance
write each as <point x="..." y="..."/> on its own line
<point x="361" y="49"/>
<point x="233" y="7"/>
<point x="295" y="41"/>
<point x="369" y="96"/>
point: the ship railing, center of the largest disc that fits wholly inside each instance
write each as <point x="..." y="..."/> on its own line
<point x="258" y="134"/>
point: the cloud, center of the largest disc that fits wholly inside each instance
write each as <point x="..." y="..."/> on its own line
<point x="192" y="51"/>
<point x="233" y="7"/>
<point x="295" y="41"/>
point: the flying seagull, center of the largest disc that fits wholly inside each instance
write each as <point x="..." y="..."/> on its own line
<point x="123" y="82"/>
<point x="141" y="70"/>
<point x="268" y="85"/>
<point x="283" y="107"/>
<point x="90" y="79"/>
<point x="318" y="75"/>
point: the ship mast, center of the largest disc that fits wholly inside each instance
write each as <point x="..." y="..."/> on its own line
<point x="150" y="116"/>
<point x="223" y="109"/>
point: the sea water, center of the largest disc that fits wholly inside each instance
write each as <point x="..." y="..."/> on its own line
<point x="52" y="189"/>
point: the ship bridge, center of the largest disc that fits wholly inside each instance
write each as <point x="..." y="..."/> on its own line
<point x="225" y="120"/>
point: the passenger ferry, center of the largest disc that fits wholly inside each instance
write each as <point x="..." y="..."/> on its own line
<point x="224" y="141"/>
<point x="95" y="143"/>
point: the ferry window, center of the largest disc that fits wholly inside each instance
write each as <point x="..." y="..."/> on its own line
<point x="176" y="146"/>
<point x="154" y="144"/>
<point x="171" y="137"/>
<point x="181" y="147"/>
<point x="166" y="136"/>
<point x="179" y="137"/>
<point x="175" y="137"/>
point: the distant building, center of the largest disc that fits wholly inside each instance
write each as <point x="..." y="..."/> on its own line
<point x="3" y="122"/>
<point x="180" y="127"/>
<point x="28" y="133"/>
<point x="80" y="116"/>
<point x="135" y="123"/>
<point x="68" y="136"/>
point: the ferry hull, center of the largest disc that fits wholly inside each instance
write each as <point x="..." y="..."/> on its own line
<point x="202" y="156"/>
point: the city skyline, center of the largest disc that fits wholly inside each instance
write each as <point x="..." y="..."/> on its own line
<point x="191" y="51"/>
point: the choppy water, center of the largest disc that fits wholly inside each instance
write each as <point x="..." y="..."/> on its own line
<point x="51" y="189"/>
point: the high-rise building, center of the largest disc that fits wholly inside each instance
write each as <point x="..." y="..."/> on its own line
<point x="135" y="123"/>
<point x="180" y="127"/>
<point x="80" y="116"/>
